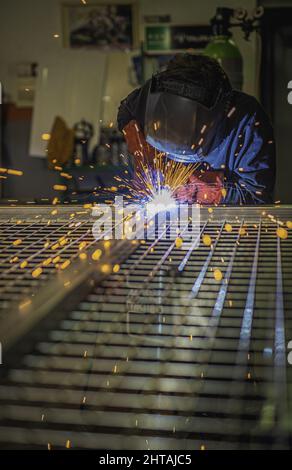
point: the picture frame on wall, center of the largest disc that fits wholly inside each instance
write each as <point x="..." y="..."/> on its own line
<point x="101" y="25"/>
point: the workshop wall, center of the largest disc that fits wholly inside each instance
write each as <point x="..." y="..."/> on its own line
<point x="27" y="34"/>
<point x="27" y="37"/>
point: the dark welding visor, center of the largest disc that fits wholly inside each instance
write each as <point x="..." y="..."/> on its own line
<point x="182" y="119"/>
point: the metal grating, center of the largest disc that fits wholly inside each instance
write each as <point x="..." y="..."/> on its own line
<point x="26" y="244"/>
<point x="161" y="355"/>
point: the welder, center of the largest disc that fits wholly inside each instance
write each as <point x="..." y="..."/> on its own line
<point x="191" y="114"/>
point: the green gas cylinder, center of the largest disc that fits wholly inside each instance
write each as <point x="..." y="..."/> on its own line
<point x="224" y="49"/>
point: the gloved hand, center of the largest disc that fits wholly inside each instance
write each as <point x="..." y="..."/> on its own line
<point x="186" y="193"/>
<point x="137" y="145"/>
<point x="202" y="188"/>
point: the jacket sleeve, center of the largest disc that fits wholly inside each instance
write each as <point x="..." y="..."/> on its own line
<point x="131" y="118"/>
<point x="127" y="109"/>
<point x="252" y="176"/>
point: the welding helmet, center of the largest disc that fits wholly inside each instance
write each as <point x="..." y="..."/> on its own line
<point x="184" y="119"/>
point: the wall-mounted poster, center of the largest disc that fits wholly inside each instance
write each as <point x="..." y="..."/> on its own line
<point x="101" y="25"/>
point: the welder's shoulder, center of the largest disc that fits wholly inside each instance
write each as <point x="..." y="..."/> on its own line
<point x="248" y="106"/>
<point x="133" y="107"/>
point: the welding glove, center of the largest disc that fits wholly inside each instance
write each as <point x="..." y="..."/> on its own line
<point x="202" y="188"/>
<point x="137" y="145"/>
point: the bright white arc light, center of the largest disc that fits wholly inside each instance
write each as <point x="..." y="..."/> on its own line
<point x="162" y="201"/>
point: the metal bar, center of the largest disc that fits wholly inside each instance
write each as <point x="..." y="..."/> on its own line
<point x="246" y="326"/>
<point x="279" y="344"/>
<point x="194" y="244"/>
<point x="218" y="307"/>
<point x="198" y="282"/>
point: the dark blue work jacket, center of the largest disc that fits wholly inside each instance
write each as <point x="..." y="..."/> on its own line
<point x="246" y="153"/>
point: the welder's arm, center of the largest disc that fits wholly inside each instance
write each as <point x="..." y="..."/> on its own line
<point x="137" y="145"/>
<point x="130" y="121"/>
<point x="252" y="178"/>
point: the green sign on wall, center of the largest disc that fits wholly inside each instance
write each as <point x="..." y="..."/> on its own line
<point x="158" y="38"/>
<point x="168" y="38"/>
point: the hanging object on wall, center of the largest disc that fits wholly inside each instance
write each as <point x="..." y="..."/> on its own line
<point x="101" y="25"/>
